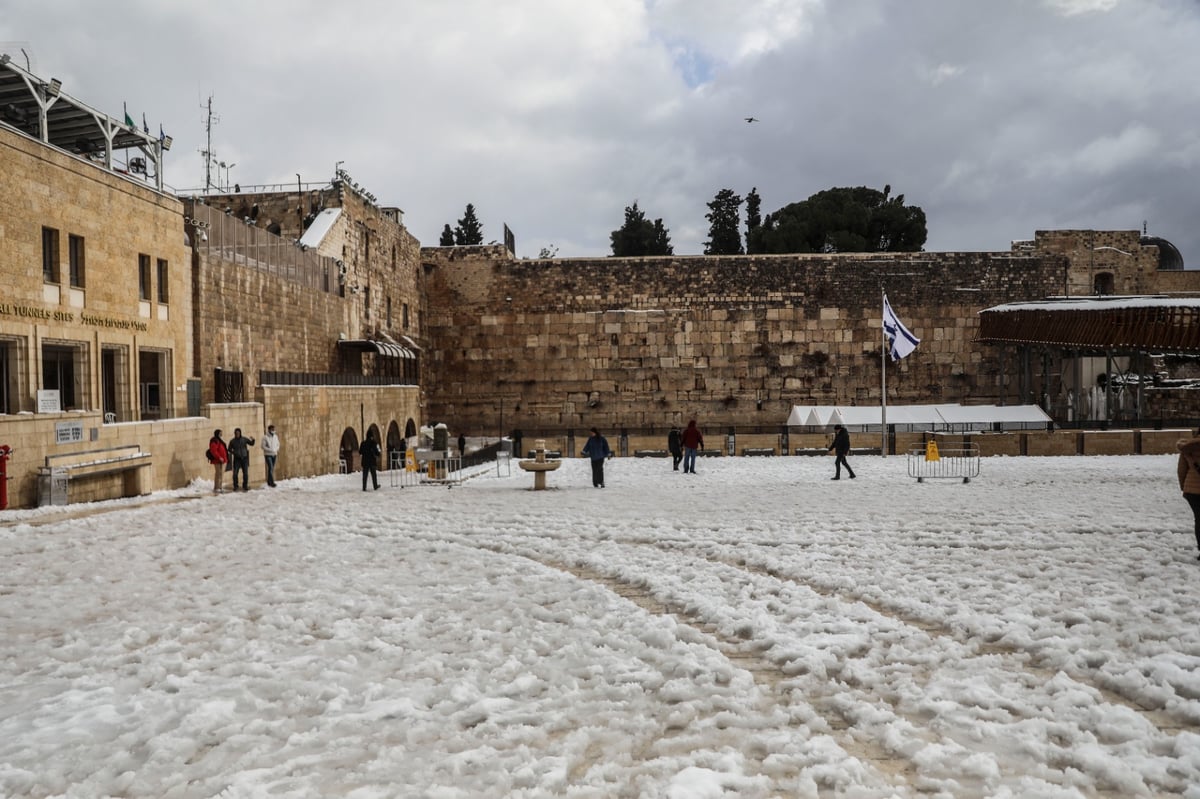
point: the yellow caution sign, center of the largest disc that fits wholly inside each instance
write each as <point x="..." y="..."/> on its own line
<point x="432" y="470"/>
<point x="931" y="452"/>
<point x="410" y="462"/>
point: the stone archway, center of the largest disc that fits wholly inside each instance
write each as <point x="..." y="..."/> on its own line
<point x="394" y="448"/>
<point x="348" y="450"/>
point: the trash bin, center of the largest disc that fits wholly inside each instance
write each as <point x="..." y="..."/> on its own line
<point x="52" y="486"/>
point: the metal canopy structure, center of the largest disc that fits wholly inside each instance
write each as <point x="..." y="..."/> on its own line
<point x="384" y="348"/>
<point x="40" y="109"/>
<point x="1114" y="325"/>
<point x="1126" y="332"/>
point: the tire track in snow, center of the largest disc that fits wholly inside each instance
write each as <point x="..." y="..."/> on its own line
<point x="1166" y="723"/>
<point x="896" y="772"/>
<point x="847" y="702"/>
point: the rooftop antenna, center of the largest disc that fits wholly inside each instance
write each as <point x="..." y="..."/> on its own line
<point x="1144" y="227"/>
<point x="209" y="156"/>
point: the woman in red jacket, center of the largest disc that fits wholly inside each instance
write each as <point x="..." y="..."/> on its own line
<point x="218" y="456"/>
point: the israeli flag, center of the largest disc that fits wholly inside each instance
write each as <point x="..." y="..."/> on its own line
<point x="903" y="341"/>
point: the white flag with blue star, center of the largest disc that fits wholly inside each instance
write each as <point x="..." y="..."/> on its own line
<point x="903" y="341"/>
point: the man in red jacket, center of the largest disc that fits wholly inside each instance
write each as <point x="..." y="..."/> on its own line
<point x="693" y="440"/>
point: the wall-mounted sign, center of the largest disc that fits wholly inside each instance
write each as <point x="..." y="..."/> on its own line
<point x="49" y="400"/>
<point x="68" y="432"/>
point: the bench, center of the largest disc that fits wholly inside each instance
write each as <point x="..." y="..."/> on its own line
<point x="650" y="453"/>
<point x="754" y="451"/>
<point x="823" y="451"/>
<point x="60" y="470"/>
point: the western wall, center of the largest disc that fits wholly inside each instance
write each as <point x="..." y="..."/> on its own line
<point x="639" y="344"/>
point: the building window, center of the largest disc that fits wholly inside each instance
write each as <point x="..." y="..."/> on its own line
<point x="143" y="277"/>
<point x="389" y="311"/>
<point x="76" y="258"/>
<point x="367" y="302"/>
<point x="164" y="294"/>
<point x="61" y="371"/>
<point x="404" y="315"/>
<point x="49" y="255"/>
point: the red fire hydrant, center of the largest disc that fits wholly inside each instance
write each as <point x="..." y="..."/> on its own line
<point x="5" y="451"/>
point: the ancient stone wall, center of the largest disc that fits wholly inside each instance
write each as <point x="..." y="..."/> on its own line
<point x="648" y="342"/>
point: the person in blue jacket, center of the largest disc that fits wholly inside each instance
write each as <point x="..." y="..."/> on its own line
<point x="597" y="449"/>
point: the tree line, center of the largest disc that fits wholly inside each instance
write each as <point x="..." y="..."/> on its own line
<point x="840" y="219"/>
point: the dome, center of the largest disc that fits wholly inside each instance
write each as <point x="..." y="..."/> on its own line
<point x="1169" y="256"/>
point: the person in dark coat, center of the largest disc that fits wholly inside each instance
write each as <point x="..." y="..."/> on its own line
<point x="370" y="452"/>
<point x="462" y="445"/>
<point x="675" y="446"/>
<point x="239" y="453"/>
<point x="597" y="449"/>
<point x="841" y="448"/>
<point x="693" y="440"/>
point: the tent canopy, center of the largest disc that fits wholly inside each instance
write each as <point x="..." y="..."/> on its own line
<point x="947" y="416"/>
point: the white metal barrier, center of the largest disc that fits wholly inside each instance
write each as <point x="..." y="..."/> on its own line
<point x="958" y="463"/>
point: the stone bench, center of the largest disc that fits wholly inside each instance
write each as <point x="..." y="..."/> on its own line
<point x="758" y="451"/>
<point x="651" y="453"/>
<point x="60" y="471"/>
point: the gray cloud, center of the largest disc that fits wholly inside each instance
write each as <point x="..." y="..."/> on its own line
<point x="997" y="118"/>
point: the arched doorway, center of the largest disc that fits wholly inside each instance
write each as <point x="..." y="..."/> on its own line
<point x="395" y="447"/>
<point x="348" y="450"/>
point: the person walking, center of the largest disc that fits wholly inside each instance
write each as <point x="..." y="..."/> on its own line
<point x="597" y="449"/>
<point x="462" y="445"/>
<point x="675" y="447"/>
<point x="270" y="448"/>
<point x="239" y="452"/>
<point x="370" y="453"/>
<point x="1189" y="477"/>
<point x="218" y="456"/>
<point x="841" y="448"/>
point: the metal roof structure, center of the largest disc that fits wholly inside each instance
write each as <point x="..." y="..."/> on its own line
<point x="40" y="109"/>
<point x="1100" y="324"/>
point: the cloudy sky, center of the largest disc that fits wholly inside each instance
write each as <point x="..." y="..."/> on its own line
<point x="997" y="118"/>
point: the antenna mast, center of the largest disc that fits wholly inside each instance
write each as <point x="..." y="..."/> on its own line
<point x="209" y="156"/>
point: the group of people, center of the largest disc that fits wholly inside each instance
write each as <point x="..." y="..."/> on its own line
<point x="685" y="446"/>
<point x="234" y="456"/>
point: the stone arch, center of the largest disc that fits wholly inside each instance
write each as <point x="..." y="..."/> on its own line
<point x="348" y="449"/>
<point x="1104" y="283"/>
<point x="395" y="444"/>
<point x="410" y="429"/>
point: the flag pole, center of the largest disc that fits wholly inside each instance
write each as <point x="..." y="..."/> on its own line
<point x="883" y="373"/>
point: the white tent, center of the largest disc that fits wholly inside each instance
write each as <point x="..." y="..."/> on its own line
<point x="943" y="417"/>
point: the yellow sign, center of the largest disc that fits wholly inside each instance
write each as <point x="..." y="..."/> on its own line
<point x="931" y="453"/>
<point x="410" y="461"/>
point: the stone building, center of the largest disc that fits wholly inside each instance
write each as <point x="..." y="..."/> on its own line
<point x="154" y="320"/>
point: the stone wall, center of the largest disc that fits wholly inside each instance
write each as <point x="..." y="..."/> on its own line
<point x="556" y="345"/>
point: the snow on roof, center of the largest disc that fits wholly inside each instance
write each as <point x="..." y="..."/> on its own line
<point x="320" y="228"/>
<point x="1097" y="303"/>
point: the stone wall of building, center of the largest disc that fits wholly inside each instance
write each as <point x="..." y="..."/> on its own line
<point x="644" y="343"/>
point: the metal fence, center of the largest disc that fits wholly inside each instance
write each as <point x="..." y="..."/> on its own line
<point x="221" y="235"/>
<point x="928" y="462"/>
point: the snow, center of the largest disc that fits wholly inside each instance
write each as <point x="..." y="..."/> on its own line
<point x="754" y="630"/>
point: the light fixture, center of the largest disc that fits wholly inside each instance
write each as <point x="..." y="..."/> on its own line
<point x="52" y="88"/>
<point x="166" y="142"/>
<point x="4" y="59"/>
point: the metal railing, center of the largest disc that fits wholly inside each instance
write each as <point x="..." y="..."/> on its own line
<point x="927" y="462"/>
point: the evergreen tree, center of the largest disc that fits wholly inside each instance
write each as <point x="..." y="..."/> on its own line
<point x="447" y="239"/>
<point x="844" y="220"/>
<point x="468" y="230"/>
<point x="723" y="236"/>
<point x="640" y="236"/>
<point x="753" y="217"/>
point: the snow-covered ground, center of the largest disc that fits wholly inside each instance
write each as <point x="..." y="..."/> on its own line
<point x="755" y="630"/>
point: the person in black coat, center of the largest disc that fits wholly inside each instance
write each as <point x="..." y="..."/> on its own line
<point x="370" y="453"/>
<point x="841" y="448"/>
<point x="675" y="446"/>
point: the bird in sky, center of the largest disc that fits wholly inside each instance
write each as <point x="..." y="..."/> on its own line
<point x="751" y="119"/>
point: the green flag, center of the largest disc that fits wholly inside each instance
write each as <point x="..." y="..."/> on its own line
<point x="128" y="119"/>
